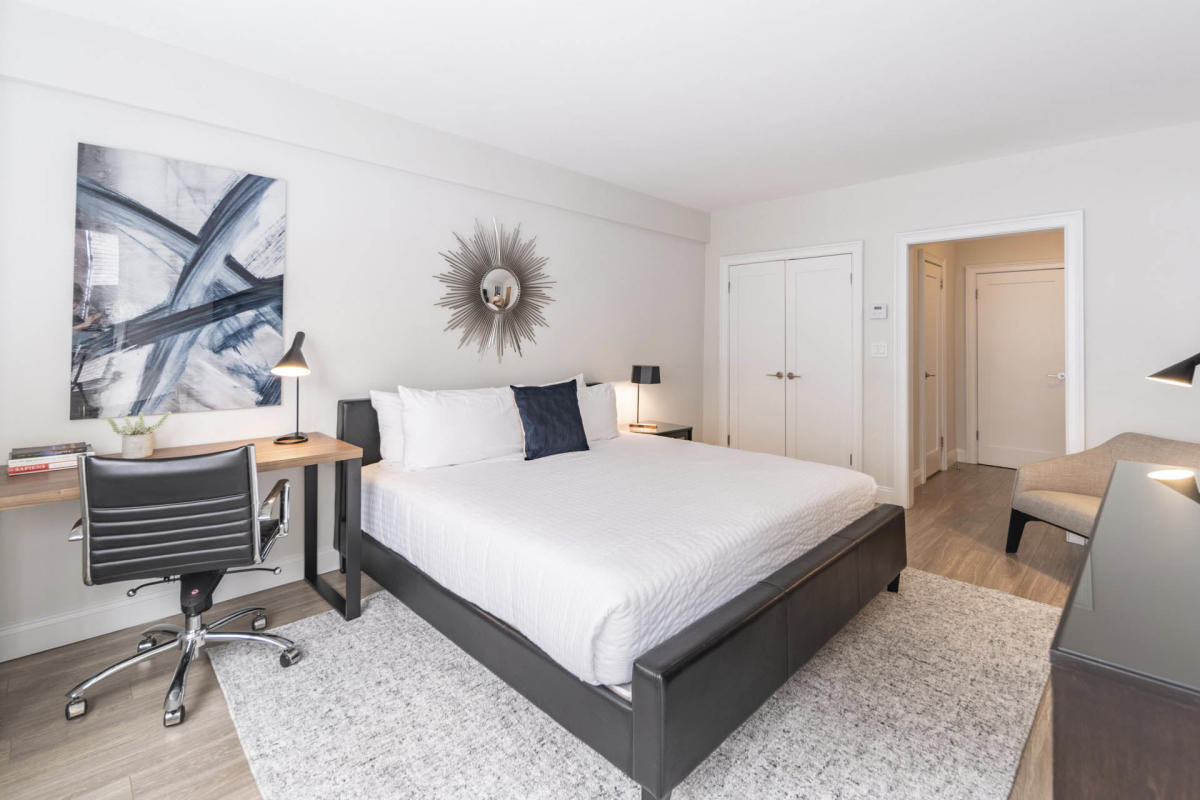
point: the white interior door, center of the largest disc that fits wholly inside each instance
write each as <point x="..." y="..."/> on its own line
<point x="820" y="362"/>
<point x="757" y="357"/>
<point x="1021" y="357"/>
<point x="929" y="365"/>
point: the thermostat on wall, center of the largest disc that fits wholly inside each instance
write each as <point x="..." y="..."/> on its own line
<point x="879" y="311"/>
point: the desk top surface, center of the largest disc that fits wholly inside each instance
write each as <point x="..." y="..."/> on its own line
<point x="22" y="491"/>
<point x="1133" y="608"/>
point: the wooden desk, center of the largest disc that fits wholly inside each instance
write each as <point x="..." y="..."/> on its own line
<point x="23" y="491"/>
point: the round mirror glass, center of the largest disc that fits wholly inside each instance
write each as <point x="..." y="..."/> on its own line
<point x="500" y="290"/>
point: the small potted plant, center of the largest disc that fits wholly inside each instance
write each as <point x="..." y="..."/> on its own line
<point x="137" y="436"/>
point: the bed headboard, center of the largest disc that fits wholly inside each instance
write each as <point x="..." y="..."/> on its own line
<point x="358" y="424"/>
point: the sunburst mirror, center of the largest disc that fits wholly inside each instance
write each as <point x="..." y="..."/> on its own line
<point x="496" y="289"/>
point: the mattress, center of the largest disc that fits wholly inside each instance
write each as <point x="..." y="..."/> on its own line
<point x="598" y="556"/>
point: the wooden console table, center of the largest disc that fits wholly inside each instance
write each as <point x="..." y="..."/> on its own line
<point x="1125" y="662"/>
<point x="23" y="491"/>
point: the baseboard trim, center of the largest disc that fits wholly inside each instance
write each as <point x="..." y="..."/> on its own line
<point x="960" y="456"/>
<point x="35" y="635"/>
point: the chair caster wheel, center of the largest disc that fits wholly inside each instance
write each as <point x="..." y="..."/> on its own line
<point x="173" y="718"/>
<point x="259" y="623"/>
<point x="76" y="707"/>
<point x="146" y="643"/>
<point x="289" y="657"/>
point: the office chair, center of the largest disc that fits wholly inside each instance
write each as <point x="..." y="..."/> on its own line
<point x="193" y="520"/>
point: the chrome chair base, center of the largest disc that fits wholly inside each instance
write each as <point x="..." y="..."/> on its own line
<point x="189" y="640"/>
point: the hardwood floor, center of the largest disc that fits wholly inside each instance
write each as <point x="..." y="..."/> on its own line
<point x="958" y="525"/>
<point x="120" y="749"/>
<point x="957" y="528"/>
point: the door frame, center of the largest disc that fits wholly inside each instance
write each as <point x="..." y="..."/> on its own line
<point x="852" y="249"/>
<point x="921" y="470"/>
<point x="1071" y="224"/>
<point x="971" y="353"/>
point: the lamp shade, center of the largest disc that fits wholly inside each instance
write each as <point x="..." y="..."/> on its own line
<point x="1179" y="374"/>
<point x="645" y="374"/>
<point x="292" y="364"/>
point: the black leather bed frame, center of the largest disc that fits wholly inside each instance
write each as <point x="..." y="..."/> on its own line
<point x="694" y="689"/>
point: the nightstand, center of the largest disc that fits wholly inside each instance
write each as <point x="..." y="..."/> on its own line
<point x="672" y="430"/>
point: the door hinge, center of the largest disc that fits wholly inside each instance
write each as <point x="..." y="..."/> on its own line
<point x="728" y="440"/>
<point x="852" y="459"/>
<point x="977" y="436"/>
<point x="942" y="442"/>
<point x="976" y="294"/>
<point x="941" y="284"/>
<point x="729" y="287"/>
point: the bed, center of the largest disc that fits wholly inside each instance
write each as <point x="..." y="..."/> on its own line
<point x="647" y="594"/>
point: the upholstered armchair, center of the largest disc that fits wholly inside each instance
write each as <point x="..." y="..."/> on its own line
<point x="1066" y="491"/>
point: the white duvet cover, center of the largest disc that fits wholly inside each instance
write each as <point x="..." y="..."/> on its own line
<point x="598" y="556"/>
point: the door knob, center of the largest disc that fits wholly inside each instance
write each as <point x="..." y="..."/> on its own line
<point x="1062" y="376"/>
<point x="791" y="376"/>
<point x="775" y="375"/>
<point x="930" y="374"/>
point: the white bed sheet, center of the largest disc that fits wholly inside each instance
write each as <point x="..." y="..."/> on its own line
<point x="598" y="556"/>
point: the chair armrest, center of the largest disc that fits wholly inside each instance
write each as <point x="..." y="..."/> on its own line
<point x="1086" y="472"/>
<point x="281" y="493"/>
<point x="76" y="534"/>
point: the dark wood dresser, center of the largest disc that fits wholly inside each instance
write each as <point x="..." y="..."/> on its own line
<point x="1125" y="662"/>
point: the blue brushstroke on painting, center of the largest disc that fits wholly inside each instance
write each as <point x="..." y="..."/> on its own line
<point x="167" y="318"/>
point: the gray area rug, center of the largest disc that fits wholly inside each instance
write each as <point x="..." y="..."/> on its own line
<point x="926" y="694"/>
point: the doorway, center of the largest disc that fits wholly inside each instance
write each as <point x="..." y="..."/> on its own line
<point x="1028" y="275"/>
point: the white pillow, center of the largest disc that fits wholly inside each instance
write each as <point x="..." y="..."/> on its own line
<point x="459" y="426"/>
<point x="598" y="407"/>
<point x="390" y="411"/>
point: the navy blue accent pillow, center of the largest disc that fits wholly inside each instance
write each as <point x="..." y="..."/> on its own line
<point x="551" y="419"/>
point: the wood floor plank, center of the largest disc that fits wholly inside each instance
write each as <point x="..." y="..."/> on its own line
<point x="957" y="528"/>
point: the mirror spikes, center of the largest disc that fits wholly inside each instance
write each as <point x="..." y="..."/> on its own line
<point x="500" y="326"/>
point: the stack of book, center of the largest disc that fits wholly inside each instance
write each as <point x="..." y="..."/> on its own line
<point x="26" y="460"/>
<point x="643" y="427"/>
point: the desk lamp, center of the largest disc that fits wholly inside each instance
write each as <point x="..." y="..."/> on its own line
<point x="293" y="365"/>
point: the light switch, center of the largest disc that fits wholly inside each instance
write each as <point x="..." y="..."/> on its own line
<point x="878" y="349"/>
<point x="879" y="311"/>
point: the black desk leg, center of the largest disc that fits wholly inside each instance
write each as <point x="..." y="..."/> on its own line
<point x="350" y="605"/>
<point x="352" y="537"/>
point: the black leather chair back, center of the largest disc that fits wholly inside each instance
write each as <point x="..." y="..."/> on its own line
<point x="172" y="516"/>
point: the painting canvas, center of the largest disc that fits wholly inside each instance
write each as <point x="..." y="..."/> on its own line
<point x="178" y="286"/>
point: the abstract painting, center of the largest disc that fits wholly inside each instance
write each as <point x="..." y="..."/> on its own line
<point x="178" y="286"/>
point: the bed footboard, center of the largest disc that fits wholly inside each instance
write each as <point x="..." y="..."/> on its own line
<point x="696" y="688"/>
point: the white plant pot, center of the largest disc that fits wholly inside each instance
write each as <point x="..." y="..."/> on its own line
<point x="139" y="446"/>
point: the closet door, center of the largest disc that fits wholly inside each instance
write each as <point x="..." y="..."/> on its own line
<point x="819" y="376"/>
<point x="757" y="386"/>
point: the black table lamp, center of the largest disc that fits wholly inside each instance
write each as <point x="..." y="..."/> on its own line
<point x="644" y="375"/>
<point x="293" y="365"/>
<point x="1178" y="374"/>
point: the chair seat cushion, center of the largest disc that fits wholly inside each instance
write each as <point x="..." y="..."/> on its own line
<point x="1074" y="512"/>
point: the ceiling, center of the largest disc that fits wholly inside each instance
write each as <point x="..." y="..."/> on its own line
<point x="712" y="103"/>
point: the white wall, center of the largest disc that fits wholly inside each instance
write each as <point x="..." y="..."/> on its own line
<point x="363" y="239"/>
<point x="1141" y="276"/>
